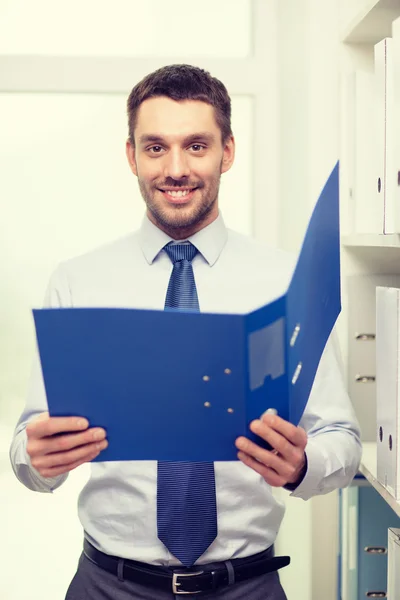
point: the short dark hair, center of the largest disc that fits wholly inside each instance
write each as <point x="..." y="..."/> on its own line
<point x="182" y="82"/>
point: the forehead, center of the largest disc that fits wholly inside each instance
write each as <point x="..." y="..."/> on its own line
<point x="169" y="118"/>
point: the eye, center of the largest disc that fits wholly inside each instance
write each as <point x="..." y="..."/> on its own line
<point x="197" y="147"/>
<point x="155" y="149"/>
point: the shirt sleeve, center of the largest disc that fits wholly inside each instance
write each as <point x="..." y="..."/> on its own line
<point x="333" y="450"/>
<point x="57" y="295"/>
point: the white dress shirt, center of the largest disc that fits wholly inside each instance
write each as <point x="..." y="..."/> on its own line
<point x="234" y="274"/>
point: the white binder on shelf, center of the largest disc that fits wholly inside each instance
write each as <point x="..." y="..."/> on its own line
<point x="393" y="568"/>
<point x="386" y="172"/>
<point x="396" y="108"/>
<point x="368" y="216"/>
<point x="387" y="388"/>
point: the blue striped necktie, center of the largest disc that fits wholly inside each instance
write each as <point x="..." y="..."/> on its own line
<point x="186" y="501"/>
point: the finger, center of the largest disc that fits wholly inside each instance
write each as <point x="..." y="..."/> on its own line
<point x="283" y="436"/>
<point x="293" y="455"/>
<point x="296" y="435"/>
<point x="44" y="427"/>
<point x="59" y="459"/>
<point x="269" y="411"/>
<point x="270" y="475"/>
<point x="265" y="457"/>
<point x="285" y="448"/>
<point x="61" y="443"/>
<point x="55" y="471"/>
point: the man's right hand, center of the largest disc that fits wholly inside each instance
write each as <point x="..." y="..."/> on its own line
<point x="57" y="445"/>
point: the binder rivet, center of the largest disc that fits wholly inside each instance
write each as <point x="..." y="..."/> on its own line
<point x="380" y="434"/>
<point x="207" y="404"/>
<point x="390" y="443"/>
<point x="227" y="371"/>
<point x="230" y="410"/>
<point x="206" y="378"/>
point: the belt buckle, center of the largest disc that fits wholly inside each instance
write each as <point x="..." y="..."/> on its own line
<point x="176" y="584"/>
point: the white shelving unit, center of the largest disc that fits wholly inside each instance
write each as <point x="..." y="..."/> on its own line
<point x="368" y="21"/>
<point x="371" y="240"/>
<point x="368" y="259"/>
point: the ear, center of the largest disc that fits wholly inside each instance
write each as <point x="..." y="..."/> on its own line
<point x="131" y="156"/>
<point x="229" y="154"/>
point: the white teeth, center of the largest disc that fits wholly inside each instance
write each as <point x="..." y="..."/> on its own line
<point x="179" y="193"/>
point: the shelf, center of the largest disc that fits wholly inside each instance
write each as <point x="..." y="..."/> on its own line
<point x="372" y="23"/>
<point x="368" y="468"/>
<point x="374" y="253"/>
<point x="371" y="240"/>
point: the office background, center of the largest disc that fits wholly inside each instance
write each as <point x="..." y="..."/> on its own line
<point x="65" y="72"/>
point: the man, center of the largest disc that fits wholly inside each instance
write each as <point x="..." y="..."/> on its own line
<point x="161" y="530"/>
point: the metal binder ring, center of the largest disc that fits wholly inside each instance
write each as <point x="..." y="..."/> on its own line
<point x="365" y="378"/>
<point x="365" y="337"/>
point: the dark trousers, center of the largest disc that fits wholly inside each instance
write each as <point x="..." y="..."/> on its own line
<point x="93" y="583"/>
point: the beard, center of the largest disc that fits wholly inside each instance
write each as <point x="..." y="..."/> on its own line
<point x="180" y="217"/>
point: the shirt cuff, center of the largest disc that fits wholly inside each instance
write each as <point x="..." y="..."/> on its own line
<point x="293" y="486"/>
<point x="312" y="483"/>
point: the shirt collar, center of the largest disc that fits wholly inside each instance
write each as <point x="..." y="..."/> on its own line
<point x="209" y="241"/>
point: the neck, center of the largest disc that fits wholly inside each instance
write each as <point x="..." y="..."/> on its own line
<point x="182" y="233"/>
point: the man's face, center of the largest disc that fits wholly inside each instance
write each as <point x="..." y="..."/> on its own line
<point x="179" y="158"/>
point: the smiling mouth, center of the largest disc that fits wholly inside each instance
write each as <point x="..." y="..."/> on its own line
<point x="177" y="196"/>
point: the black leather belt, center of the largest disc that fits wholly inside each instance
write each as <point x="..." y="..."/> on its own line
<point x="179" y="580"/>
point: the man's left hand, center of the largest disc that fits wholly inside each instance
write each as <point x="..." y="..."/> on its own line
<point x="284" y="464"/>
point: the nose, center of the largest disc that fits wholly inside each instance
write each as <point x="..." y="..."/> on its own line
<point x="176" y="165"/>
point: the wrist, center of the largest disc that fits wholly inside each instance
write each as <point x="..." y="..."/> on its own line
<point x="302" y="473"/>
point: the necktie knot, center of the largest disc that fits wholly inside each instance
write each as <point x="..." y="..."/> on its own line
<point x="178" y="252"/>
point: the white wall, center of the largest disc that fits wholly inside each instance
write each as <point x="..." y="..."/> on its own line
<point x="132" y="28"/>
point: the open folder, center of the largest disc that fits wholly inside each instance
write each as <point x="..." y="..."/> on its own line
<point x="119" y="368"/>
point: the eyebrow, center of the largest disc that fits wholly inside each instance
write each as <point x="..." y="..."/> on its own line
<point x="203" y="136"/>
